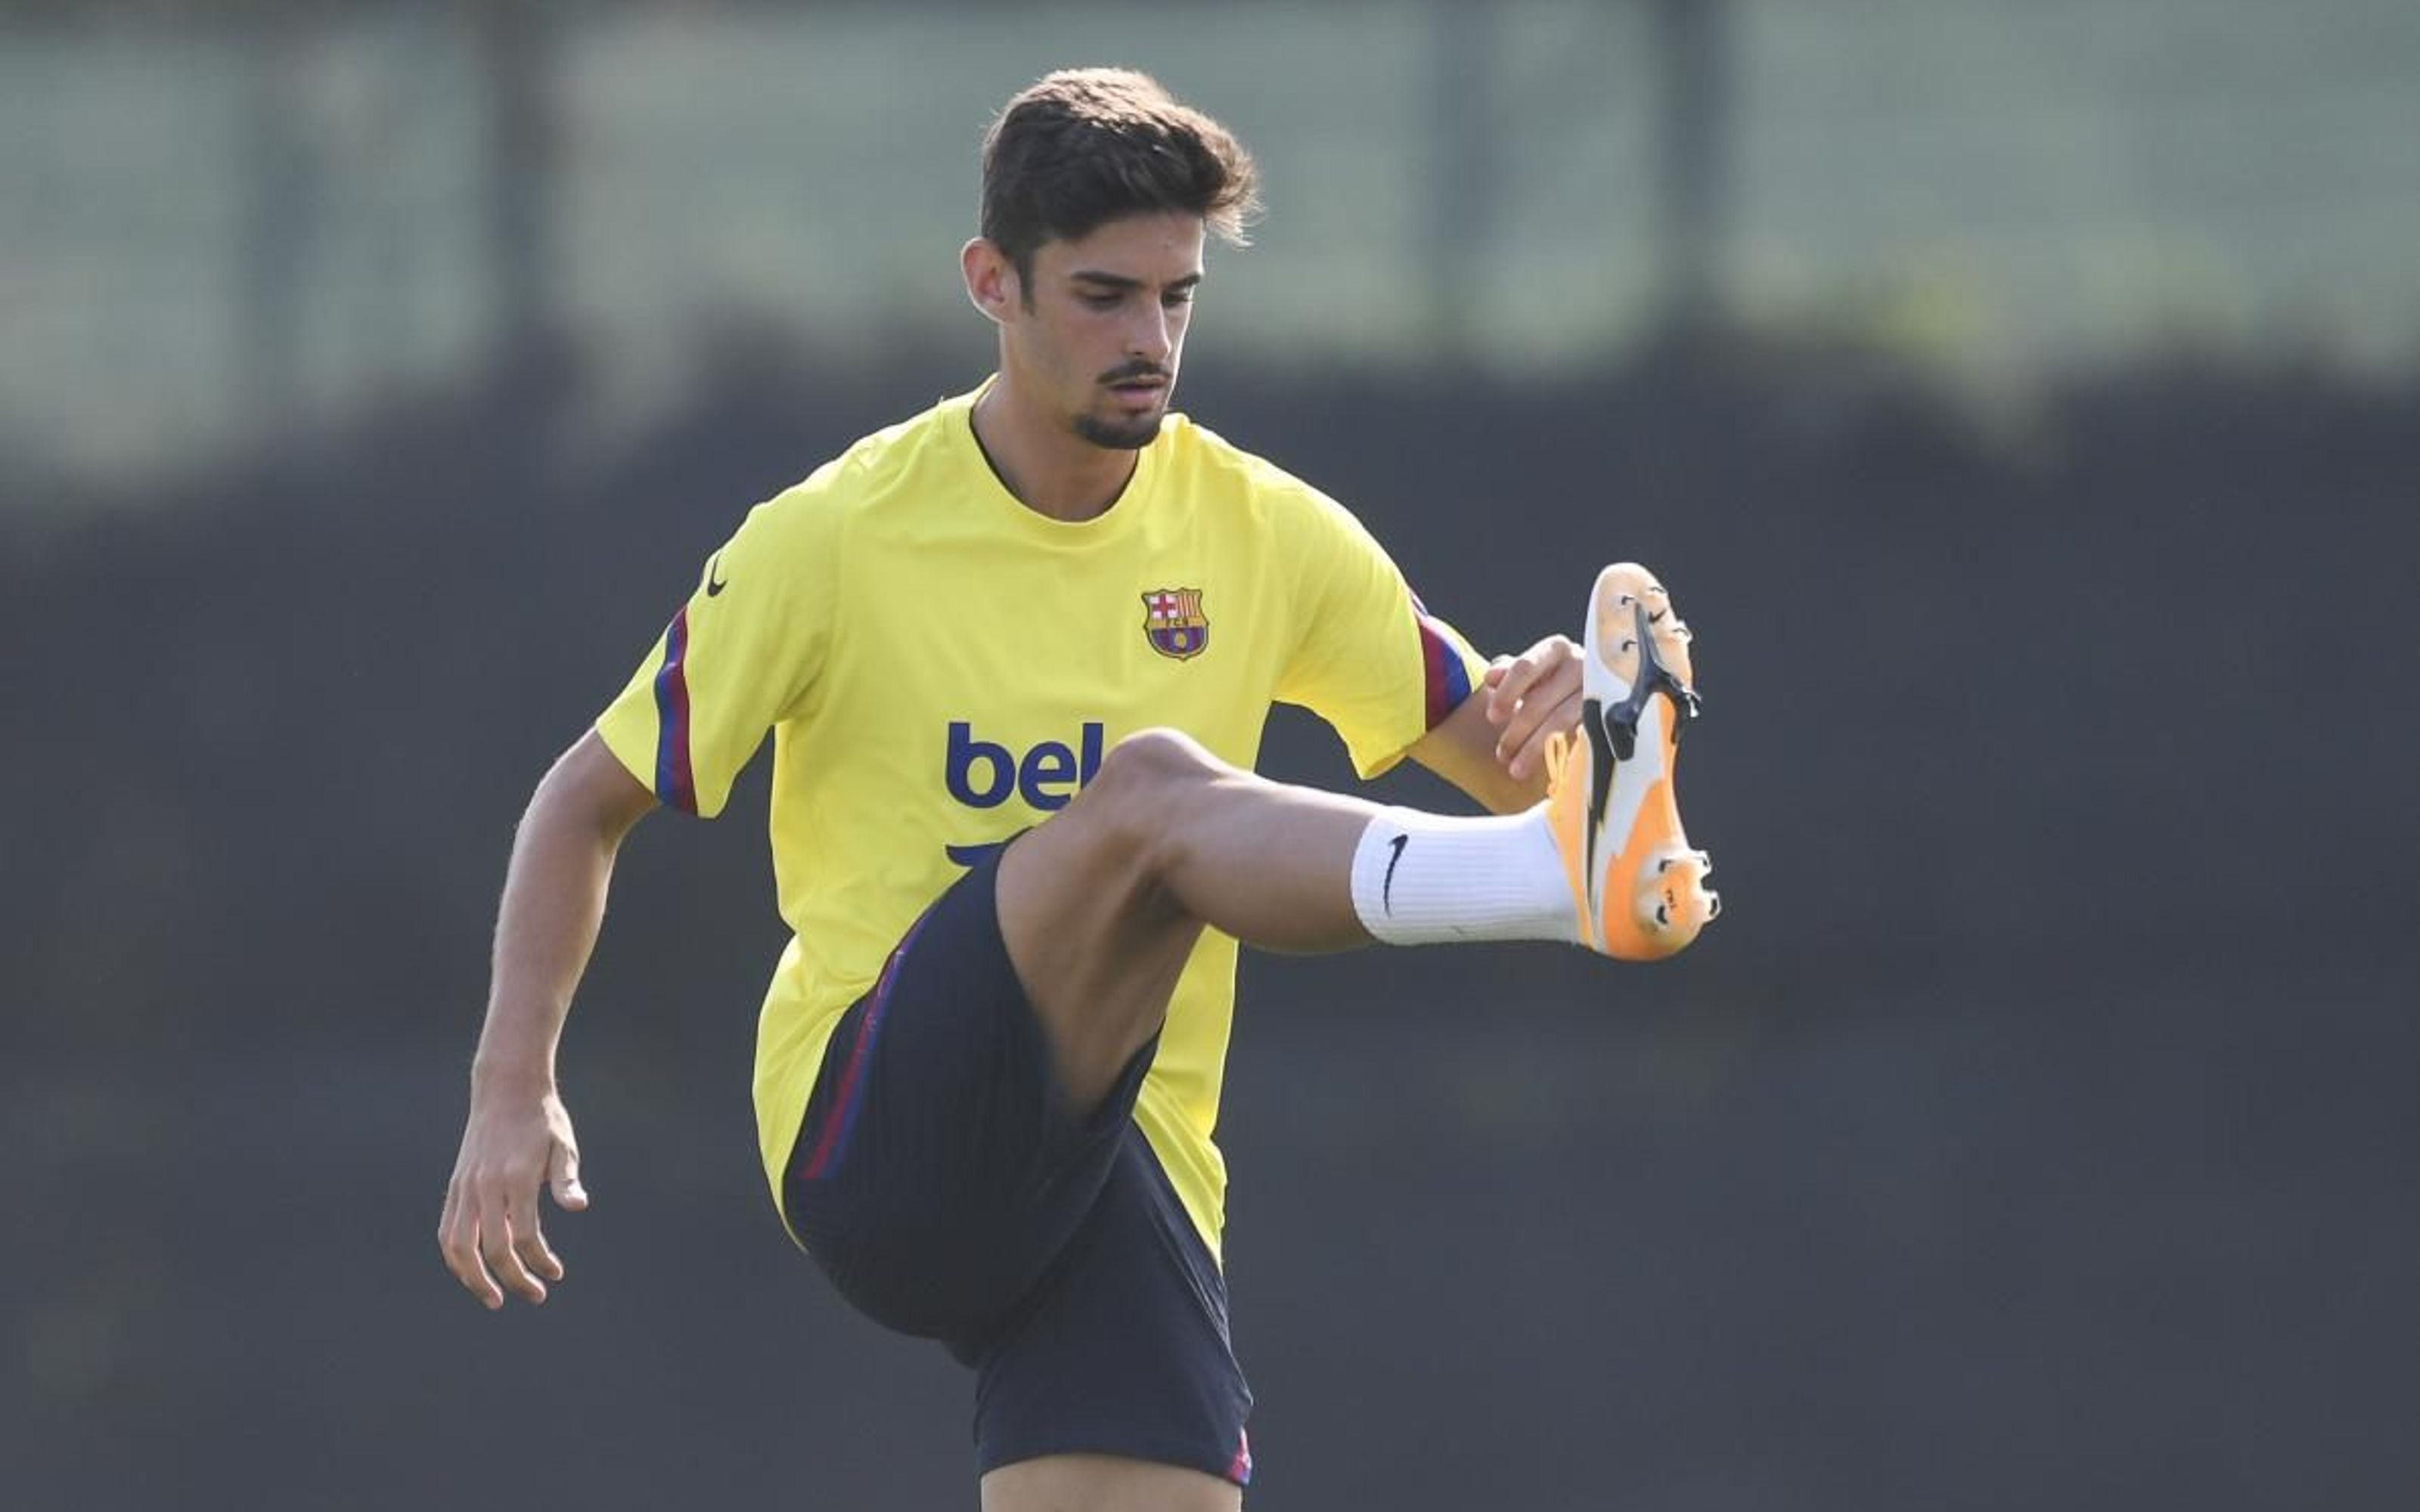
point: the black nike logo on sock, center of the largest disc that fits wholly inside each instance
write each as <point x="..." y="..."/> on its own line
<point x="1386" y="888"/>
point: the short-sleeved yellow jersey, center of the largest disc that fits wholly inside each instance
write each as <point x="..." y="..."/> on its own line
<point x="941" y="667"/>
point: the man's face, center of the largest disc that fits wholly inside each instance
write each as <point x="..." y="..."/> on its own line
<point x="1100" y="332"/>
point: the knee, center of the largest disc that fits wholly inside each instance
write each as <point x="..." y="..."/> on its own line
<point x="1144" y="799"/>
<point x="1143" y="788"/>
<point x="1151" y="768"/>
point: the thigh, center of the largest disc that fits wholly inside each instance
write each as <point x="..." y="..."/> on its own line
<point x="1098" y="937"/>
<point x="1104" y="1483"/>
<point x="1122" y="1353"/>
<point x="941" y="1165"/>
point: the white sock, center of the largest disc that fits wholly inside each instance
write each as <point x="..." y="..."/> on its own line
<point x="1426" y="879"/>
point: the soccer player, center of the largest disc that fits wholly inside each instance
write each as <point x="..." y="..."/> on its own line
<point x="1015" y="654"/>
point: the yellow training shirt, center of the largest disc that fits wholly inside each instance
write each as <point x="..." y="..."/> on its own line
<point x="941" y="667"/>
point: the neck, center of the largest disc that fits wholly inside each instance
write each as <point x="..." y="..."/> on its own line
<point x="1049" y="469"/>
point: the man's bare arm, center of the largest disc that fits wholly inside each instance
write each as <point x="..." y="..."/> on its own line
<point x="1494" y="748"/>
<point x="519" y="1136"/>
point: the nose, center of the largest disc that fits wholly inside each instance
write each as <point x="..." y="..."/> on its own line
<point x="1152" y="335"/>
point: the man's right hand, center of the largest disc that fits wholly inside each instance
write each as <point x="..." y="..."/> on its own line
<point x="515" y="1143"/>
<point x="519" y="1138"/>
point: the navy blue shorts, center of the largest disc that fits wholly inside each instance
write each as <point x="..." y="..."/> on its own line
<point x="943" y="1183"/>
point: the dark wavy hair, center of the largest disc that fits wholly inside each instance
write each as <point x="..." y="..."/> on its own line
<point x="1083" y="146"/>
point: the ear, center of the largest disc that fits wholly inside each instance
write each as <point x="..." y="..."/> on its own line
<point x="991" y="279"/>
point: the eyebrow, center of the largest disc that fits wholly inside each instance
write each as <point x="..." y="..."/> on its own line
<point x="1119" y="281"/>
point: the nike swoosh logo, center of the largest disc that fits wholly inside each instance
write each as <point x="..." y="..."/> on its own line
<point x="714" y="584"/>
<point x="1386" y="888"/>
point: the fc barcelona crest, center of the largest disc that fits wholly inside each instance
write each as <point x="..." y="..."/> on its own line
<point x="1174" y="622"/>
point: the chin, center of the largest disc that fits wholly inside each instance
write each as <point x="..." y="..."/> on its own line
<point x="1121" y="433"/>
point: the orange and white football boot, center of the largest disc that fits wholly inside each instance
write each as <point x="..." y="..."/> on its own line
<point x="1639" y="887"/>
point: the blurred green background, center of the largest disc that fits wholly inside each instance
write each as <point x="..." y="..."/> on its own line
<point x="236" y="219"/>
<point x="2022" y="400"/>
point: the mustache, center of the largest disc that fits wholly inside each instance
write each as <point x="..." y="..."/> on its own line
<point x="1140" y="368"/>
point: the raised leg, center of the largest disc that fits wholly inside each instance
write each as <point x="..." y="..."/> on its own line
<point x="1102" y="906"/>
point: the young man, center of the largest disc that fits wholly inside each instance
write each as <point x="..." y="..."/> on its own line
<point x="1015" y="654"/>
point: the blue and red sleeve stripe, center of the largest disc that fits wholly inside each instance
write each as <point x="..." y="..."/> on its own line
<point x="1449" y="679"/>
<point x="675" y="784"/>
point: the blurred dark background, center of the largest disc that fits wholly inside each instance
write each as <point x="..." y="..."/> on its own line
<point x="2024" y="403"/>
